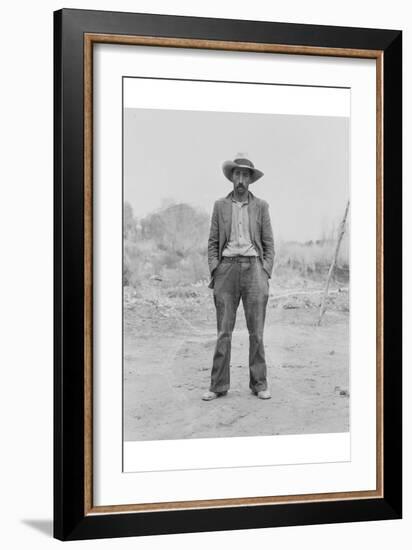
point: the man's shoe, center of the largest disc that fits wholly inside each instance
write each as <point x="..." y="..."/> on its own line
<point x="210" y="395"/>
<point x="264" y="394"/>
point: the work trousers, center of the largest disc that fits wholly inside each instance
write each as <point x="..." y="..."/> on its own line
<point x="240" y="277"/>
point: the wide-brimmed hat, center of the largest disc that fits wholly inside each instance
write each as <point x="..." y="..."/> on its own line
<point x="241" y="162"/>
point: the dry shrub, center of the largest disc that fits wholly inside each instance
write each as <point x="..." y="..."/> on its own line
<point x="170" y="246"/>
<point x="313" y="258"/>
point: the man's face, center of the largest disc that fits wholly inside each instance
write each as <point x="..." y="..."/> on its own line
<point x="241" y="179"/>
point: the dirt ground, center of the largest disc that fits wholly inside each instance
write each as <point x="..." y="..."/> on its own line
<point x="169" y="338"/>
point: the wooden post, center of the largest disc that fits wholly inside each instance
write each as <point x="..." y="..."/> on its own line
<point x="332" y="265"/>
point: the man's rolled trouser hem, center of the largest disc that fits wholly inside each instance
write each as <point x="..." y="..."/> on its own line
<point x="220" y="389"/>
<point x="258" y="387"/>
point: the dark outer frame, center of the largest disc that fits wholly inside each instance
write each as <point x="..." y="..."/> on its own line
<point x="72" y="520"/>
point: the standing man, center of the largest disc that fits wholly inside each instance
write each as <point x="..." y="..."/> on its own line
<point x="240" y="257"/>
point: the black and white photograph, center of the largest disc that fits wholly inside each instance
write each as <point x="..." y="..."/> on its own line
<point x="203" y="296"/>
<point x="229" y="278"/>
<point x="236" y="270"/>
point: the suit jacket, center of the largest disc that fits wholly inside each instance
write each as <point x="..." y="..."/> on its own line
<point x="260" y="230"/>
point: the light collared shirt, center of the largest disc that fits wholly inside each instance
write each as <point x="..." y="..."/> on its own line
<point x="239" y="243"/>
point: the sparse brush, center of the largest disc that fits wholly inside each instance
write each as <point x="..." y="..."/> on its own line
<point x="171" y="245"/>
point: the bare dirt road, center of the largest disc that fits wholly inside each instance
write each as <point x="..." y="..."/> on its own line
<point x="168" y="348"/>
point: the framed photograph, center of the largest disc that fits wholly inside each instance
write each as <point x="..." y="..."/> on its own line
<point x="228" y="274"/>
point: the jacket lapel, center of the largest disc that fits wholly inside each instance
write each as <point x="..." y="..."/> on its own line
<point x="252" y="213"/>
<point x="227" y="215"/>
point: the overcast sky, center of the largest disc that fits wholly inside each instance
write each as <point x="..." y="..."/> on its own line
<point x="177" y="156"/>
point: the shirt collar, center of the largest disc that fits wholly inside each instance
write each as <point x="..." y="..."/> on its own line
<point x="241" y="202"/>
